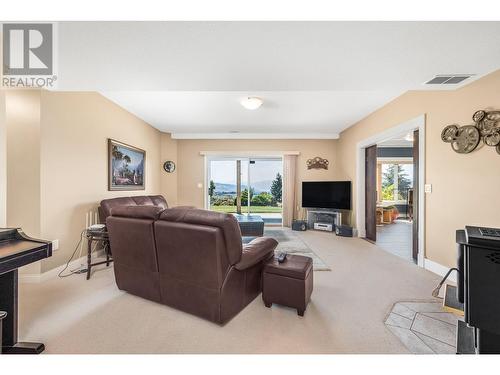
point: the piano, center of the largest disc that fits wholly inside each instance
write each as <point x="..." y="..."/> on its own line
<point x="479" y="290"/>
<point x="16" y="250"/>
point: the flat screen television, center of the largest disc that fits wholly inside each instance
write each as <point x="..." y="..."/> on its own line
<point x="326" y="194"/>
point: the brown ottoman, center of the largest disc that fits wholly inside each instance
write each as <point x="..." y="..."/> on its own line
<point x="289" y="283"/>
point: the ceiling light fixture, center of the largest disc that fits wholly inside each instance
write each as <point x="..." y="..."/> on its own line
<point x="251" y="102"/>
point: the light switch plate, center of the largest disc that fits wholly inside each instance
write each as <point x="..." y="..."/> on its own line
<point x="200" y="185"/>
<point x="55" y="245"/>
<point x="428" y="188"/>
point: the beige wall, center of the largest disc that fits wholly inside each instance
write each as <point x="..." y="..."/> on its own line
<point x="75" y="128"/>
<point x="23" y="160"/>
<point x="57" y="161"/>
<point x="191" y="163"/>
<point x="23" y="163"/>
<point x="169" y="180"/>
<point x="3" y="162"/>
<point x="465" y="187"/>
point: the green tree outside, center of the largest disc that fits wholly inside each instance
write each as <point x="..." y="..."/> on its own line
<point x="276" y="188"/>
<point x="388" y="182"/>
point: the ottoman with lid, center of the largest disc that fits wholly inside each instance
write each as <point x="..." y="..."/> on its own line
<point x="289" y="283"/>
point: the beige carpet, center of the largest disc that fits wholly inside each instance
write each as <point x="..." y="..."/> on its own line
<point x="290" y="243"/>
<point x="346" y="315"/>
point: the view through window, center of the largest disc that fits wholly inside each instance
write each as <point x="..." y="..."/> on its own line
<point x="396" y="180"/>
<point x="261" y="187"/>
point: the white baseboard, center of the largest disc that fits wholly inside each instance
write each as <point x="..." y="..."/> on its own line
<point x="40" y="277"/>
<point x="439" y="269"/>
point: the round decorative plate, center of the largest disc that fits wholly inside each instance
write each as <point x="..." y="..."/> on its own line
<point x="449" y="133"/>
<point x="478" y="115"/>
<point x="467" y="139"/>
<point x="492" y="139"/>
<point x="169" y="166"/>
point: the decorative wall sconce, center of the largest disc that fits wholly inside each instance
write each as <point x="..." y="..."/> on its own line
<point x="317" y="163"/>
<point x="465" y="139"/>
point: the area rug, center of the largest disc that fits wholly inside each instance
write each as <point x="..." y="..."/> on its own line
<point x="423" y="327"/>
<point x="290" y="243"/>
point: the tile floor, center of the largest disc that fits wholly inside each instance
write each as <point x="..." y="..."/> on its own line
<point x="396" y="238"/>
<point x="423" y="327"/>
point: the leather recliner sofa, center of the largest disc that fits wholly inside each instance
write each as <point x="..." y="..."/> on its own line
<point x="141" y="200"/>
<point x="187" y="258"/>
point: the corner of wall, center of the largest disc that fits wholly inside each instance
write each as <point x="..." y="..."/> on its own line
<point x="168" y="181"/>
<point x="22" y="165"/>
<point x="3" y="161"/>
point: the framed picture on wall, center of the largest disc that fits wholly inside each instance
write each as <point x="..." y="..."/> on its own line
<point x="126" y="166"/>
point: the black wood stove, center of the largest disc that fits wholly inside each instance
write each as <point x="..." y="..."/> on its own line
<point x="479" y="289"/>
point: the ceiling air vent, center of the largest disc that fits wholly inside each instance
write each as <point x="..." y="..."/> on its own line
<point x="448" y="79"/>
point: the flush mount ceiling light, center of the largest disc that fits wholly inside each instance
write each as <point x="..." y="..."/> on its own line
<point x="251" y="102"/>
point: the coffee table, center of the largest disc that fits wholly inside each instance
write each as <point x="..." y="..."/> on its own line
<point x="250" y="225"/>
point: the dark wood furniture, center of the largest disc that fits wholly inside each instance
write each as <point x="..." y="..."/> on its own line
<point x="251" y="225"/>
<point x="289" y="283"/>
<point x="416" y="203"/>
<point x="17" y="250"/>
<point x="98" y="237"/>
<point x="3" y="315"/>
<point x="409" y="204"/>
<point x="371" y="193"/>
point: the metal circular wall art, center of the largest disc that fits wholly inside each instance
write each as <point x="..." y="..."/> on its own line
<point x="169" y="166"/>
<point x="465" y="139"/>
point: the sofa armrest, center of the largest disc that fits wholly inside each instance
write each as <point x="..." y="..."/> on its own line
<point x="261" y="248"/>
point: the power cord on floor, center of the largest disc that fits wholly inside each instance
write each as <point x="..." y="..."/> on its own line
<point x="76" y="271"/>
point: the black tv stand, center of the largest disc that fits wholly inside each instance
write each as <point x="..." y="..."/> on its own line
<point x="322" y="215"/>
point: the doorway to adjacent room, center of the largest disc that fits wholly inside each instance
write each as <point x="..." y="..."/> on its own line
<point x="389" y="190"/>
<point x="395" y="195"/>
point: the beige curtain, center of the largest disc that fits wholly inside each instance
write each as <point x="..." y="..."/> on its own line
<point x="289" y="167"/>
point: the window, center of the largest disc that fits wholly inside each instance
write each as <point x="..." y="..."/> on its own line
<point x="260" y="186"/>
<point x="396" y="179"/>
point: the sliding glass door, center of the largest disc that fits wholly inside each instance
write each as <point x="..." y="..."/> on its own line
<point x="225" y="189"/>
<point x="246" y="186"/>
<point x="266" y="182"/>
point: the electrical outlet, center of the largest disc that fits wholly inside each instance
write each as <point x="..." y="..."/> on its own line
<point x="428" y="188"/>
<point x="55" y="245"/>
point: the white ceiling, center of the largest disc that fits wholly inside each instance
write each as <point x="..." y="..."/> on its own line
<point x="400" y="141"/>
<point x="314" y="77"/>
<point x="186" y="113"/>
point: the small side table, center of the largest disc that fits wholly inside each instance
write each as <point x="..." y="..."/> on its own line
<point x="250" y="225"/>
<point x="289" y="283"/>
<point x="97" y="236"/>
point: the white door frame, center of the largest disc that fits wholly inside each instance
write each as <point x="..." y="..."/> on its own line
<point x="417" y="123"/>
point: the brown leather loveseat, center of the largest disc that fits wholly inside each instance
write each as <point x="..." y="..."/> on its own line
<point x="187" y="258"/>
<point x="142" y="200"/>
